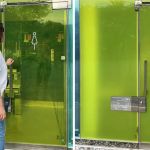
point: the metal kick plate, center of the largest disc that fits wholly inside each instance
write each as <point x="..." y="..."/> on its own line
<point x="130" y="103"/>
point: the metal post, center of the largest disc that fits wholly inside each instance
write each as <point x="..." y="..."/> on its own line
<point x="139" y="69"/>
<point x="138" y="5"/>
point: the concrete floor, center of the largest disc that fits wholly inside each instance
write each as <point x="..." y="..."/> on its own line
<point x="86" y="144"/>
<point x="12" y="146"/>
<point x="90" y="147"/>
<point x="145" y="146"/>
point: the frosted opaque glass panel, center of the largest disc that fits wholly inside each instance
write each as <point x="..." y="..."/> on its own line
<point x="108" y="67"/>
<point x="145" y="55"/>
<point x="105" y="3"/>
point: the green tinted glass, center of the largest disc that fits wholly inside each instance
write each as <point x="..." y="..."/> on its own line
<point x="144" y="43"/>
<point x="108" y="61"/>
<point x="35" y="37"/>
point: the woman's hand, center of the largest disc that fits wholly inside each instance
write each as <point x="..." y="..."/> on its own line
<point x="2" y="113"/>
<point x="9" y="61"/>
<point x="2" y="110"/>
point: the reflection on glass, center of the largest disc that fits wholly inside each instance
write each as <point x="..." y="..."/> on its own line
<point x="35" y="38"/>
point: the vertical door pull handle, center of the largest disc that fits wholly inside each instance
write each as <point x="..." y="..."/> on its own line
<point x="145" y="78"/>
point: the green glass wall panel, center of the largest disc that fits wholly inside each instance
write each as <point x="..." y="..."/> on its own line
<point x="108" y="61"/>
<point x="39" y="75"/>
<point x="145" y="55"/>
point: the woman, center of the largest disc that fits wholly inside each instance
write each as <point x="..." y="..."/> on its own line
<point x="3" y="84"/>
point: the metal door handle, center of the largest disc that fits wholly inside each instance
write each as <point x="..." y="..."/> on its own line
<point x="11" y="90"/>
<point x="145" y="78"/>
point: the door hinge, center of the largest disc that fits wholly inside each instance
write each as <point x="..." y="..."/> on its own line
<point x="137" y="4"/>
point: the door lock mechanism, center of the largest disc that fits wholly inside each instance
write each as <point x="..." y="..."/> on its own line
<point x="129" y="103"/>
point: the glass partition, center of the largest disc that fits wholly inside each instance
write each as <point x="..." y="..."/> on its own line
<point x="108" y="67"/>
<point x="144" y="56"/>
<point x="35" y="37"/>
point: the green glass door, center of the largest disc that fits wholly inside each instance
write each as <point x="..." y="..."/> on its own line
<point x="145" y="56"/>
<point x="108" y="67"/>
<point x="35" y="37"/>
